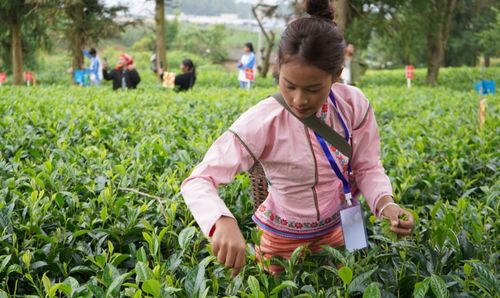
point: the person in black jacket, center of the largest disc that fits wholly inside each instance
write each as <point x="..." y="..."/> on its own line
<point x="187" y="78"/>
<point x="124" y="75"/>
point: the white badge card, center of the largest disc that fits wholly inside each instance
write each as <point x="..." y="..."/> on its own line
<point x="353" y="227"/>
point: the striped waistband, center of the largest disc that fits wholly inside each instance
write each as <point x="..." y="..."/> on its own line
<point x="269" y="229"/>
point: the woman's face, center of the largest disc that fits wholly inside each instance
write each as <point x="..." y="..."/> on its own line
<point x="247" y="49"/>
<point x="121" y="62"/>
<point x="184" y="68"/>
<point x="304" y="87"/>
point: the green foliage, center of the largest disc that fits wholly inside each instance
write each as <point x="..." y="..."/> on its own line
<point x="491" y="34"/>
<point x="470" y="35"/>
<point x="34" y="33"/>
<point x="68" y="227"/>
<point x="400" y="37"/>
<point x="455" y="78"/>
<point x="148" y="40"/>
<point x="208" y="42"/>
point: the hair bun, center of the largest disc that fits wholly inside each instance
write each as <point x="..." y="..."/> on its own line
<point x="319" y="8"/>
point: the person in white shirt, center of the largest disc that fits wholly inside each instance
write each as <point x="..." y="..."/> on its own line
<point x="246" y="66"/>
<point x="346" y="75"/>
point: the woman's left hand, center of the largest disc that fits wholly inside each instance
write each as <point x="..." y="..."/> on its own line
<point x="402" y="227"/>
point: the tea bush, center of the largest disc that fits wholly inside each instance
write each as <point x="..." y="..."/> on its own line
<point x="70" y="226"/>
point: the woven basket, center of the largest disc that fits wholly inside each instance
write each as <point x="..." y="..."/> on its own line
<point x="259" y="184"/>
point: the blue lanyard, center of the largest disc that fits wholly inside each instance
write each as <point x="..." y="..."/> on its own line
<point x="345" y="184"/>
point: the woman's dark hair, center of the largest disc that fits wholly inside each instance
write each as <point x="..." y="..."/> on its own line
<point x="92" y="52"/>
<point x="314" y="39"/>
<point x="249" y="45"/>
<point x="190" y="65"/>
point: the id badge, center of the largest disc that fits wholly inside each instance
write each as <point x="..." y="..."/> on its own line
<point x="353" y="227"/>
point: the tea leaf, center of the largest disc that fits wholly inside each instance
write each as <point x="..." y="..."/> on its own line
<point x="185" y="237"/>
<point x="372" y="291"/>
<point x="152" y="287"/>
<point x="421" y="288"/>
<point x="345" y="274"/>
<point x="438" y="287"/>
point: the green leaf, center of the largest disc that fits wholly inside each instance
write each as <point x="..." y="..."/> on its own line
<point x="360" y="282"/>
<point x="439" y="287"/>
<point x="421" y="288"/>
<point x="66" y="289"/>
<point x="141" y="255"/>
<point x="153" y="287"/>
<point x="117" y="259"/>
<point x="110" y="273"/>
<point x="119" y="204"/>
<point x="80" y="233"/>
<point x="5" y="262"/>
<point x="345" y="274"/>
<point x="111" y="247"/>
<point x="195" y="280"/>
<point x="14" y="268"/>
<point x="4" y="218"/>
<point x="185" y="237"/>
<point x="254" y="286"/>
<point x="47" y="284"/>
<point x="335" y="253"/>
<point x="149" y="239"/>
<point x="114" y="288"/>
<point x="81" y="269"/>
<point x="38" y="264"/>
<point x="436" y="208"/>
<point x="97" y="291"/>
<point x="143" y="272"/>
<point x="72" y="283"/>
<point x="372" y="291"/>
<point x="296" y="254"/>
<point x="304" y="295"/>
<point x="486" y="277"/>
<point x="467" y="269"/>
<point x="137" y="294"/>
<point x="104" y="213"/>
<point x="285" y="284"/>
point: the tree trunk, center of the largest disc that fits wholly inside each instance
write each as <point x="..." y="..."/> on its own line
<point x="161" y="52"/>
<point x="487" y="60"/>
<point x="435" y="56"/>
<point x="76" y="14"/>
<point x="17" y="51"/>
<point x="340" y="8"/>
<point x="78" y="44"/>
<point x="263" y="68"/>
<point x="437" y="36"/>
<point x="266" y="55"/>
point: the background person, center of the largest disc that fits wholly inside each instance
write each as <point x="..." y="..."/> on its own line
<point x="246" y="66"/>
<point x="124" y="75"/>
<point x="95" y="67"/>
<point x="354" y="67"/>
<point x="183" y="81"/>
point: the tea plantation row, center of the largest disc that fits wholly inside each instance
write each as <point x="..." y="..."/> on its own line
<point x="70" y="225"/>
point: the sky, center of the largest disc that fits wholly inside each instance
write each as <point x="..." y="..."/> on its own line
<point x="136" y="7"/>
<point x="146" y="8"/>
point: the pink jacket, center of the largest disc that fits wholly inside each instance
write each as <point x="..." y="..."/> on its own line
<point x="305" y="195"/>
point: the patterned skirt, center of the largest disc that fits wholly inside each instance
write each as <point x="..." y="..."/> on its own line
<point x="272" y="245"/>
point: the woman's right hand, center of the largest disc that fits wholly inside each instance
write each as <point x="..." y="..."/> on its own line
<point x="228" y="244"/>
